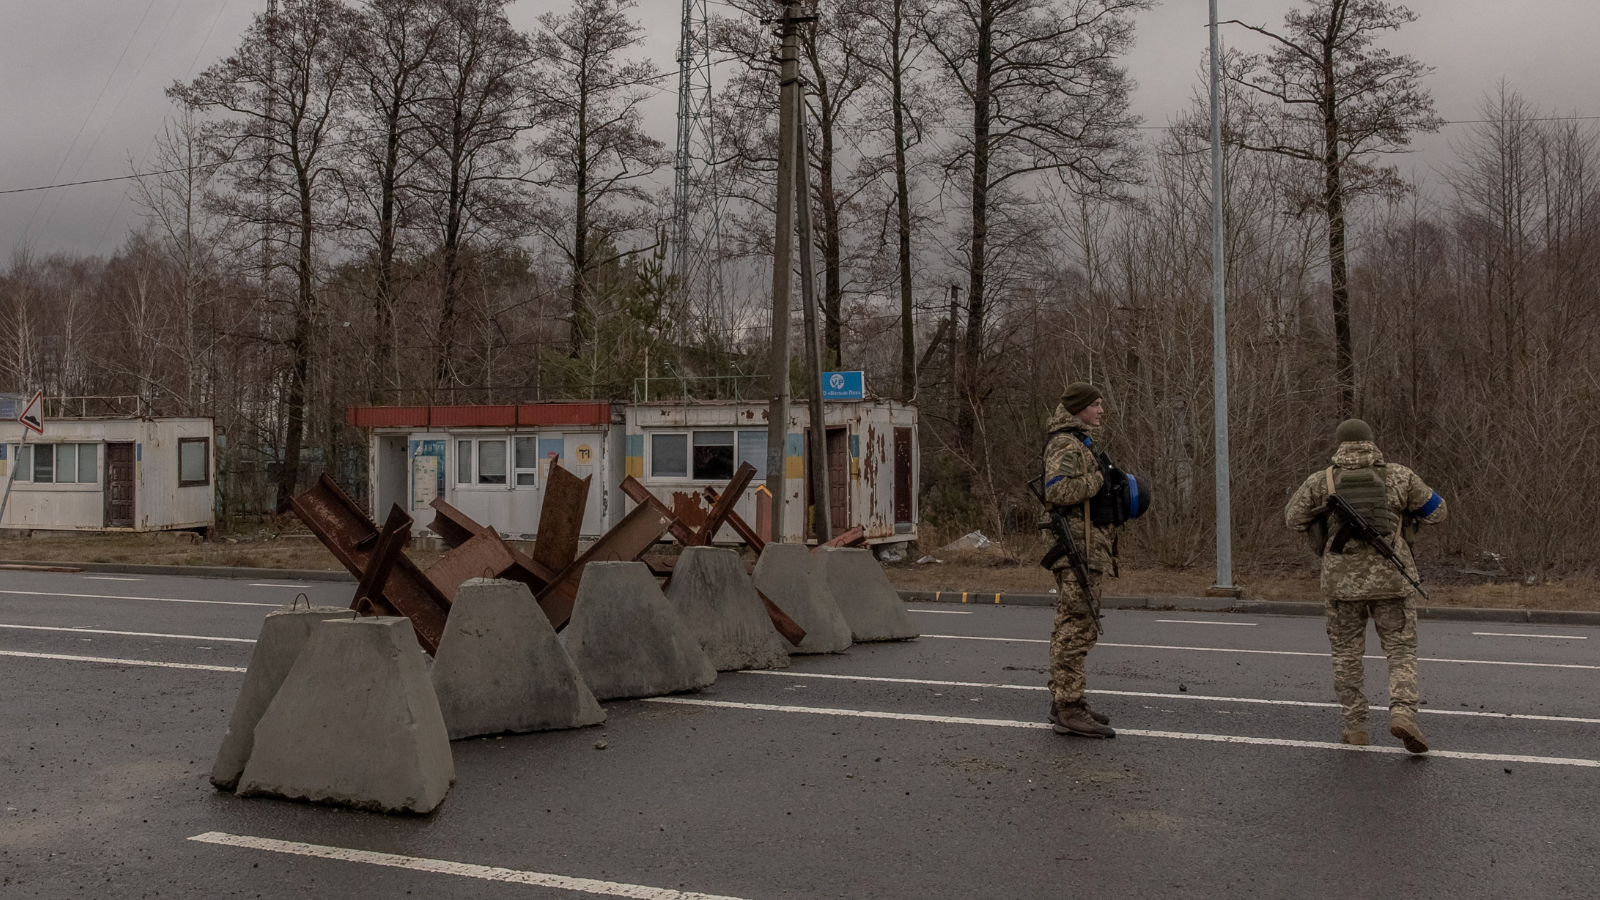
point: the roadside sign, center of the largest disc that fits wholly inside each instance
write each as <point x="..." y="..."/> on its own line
<point x="32" y="415"/>
<point x="11" y="406"/>
<point x="844" y="386"/>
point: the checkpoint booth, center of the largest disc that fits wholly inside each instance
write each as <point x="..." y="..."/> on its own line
<point x="111" y="474"/>
<point x="492" y="462"/>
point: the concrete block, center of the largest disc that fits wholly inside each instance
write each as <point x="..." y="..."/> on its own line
<point x="789" y="576"/>
<point x="627" y="641"/>
<point x="500" y="666"/>
<point x="869" y="603"/>
<point x="355" y="724"/>
<point x="283" y="635"/>
<point x="715" y="600"/>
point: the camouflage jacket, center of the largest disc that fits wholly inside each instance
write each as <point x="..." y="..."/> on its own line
<point x="1359" y="573"/>
<point x="1071" y="477"/>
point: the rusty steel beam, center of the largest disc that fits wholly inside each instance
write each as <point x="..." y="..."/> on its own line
<point x="369" y="599"/>
<point x="641" y="495"/>
<point x="566" y="496"/>
<point x="346" y="531"/>
<point x="722" y="507"/>
<point x="789" y="628"/>
<point x="851" y="538"/>
<point x="739" y="525"/>
<point x="628" y="540"/>
<point x="453" y="526"/>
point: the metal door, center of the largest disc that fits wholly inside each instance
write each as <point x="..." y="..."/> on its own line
<point x="902" y="476"/>
<point x="119" y="485"/>
<point x="839" y="479"/>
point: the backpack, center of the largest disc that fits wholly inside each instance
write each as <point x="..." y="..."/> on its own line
<point x="1367" y="492"/>
<point x="1121" y="498"/>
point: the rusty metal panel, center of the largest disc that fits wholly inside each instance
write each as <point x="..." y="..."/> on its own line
<point x="390" y="543"/>
<point x="352" y="538"/>
<point x="387" y="416"/>
<point x="566" y="496"/>
<point x="722" y="507"/>
<point x="483" y="555"/>
<point x="627" y="541"/>
<point x="472" y="416"/>
<point x="641" y="495"/>
<point x="564" y="414"/>
<point x="686" y="508"/>
<point x="853" y="537"/>
<point x="453" y="526"/>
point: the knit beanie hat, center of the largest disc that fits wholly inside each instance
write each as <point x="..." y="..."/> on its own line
<point x="1353" y="430"/>
<point x="1078" y="396"/>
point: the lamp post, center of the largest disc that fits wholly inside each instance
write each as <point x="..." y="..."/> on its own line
<point x="1219" y="334"/>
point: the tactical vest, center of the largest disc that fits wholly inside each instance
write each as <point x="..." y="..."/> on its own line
<point x="1367" y="492"/>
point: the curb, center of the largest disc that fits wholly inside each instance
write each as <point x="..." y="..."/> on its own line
<point x="1258" y="607"/>
<point x="233" y="572"/>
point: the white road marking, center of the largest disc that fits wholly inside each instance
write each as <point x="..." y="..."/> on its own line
<point x="1130" y="732"/>
<point x="271" y="584"/>
<point x="110" y="578"/>
<point x="445" y="867"/>
<point x="152" y="634"/>
<point x="1473" y="662"/>
<point x="790" y="673"/>
<point x="118" y="597"/>
<point x="1554" y="637"/>
<point x="1203" y="622"/>
<point x="943" y="612"/>
<point x="120" y="662"/>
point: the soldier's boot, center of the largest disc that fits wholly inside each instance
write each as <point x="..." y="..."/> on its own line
<point x="1102" y="718"/>
<point x="1074" y="719"/>
<point x="1356" y="735"/>
<point x="1403" y="725"/>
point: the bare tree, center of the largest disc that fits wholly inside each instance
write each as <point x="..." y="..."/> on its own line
<point x="594" y="150"/>
<point x="284" y="89"/>
<point x="1337" y="101"/>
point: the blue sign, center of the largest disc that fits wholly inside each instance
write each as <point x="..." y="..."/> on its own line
<point x="844" y="386"/>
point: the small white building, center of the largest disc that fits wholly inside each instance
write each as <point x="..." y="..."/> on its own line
<point x="491" y="462"/>
<point x="114" y="474"/>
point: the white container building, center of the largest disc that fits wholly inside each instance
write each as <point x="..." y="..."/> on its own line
<point x="112" y="474"/>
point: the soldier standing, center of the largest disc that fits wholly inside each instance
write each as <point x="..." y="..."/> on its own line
<point x="1359" y="582"/>
<point x="1071" y="477"/>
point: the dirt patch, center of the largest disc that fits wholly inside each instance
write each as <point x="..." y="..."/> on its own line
<point x="264" y="549"/>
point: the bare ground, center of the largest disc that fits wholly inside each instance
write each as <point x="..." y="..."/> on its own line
<point x="1010" y="569"/>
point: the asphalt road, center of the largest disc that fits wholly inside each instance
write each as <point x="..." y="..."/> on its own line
<point x="915" y="770"/>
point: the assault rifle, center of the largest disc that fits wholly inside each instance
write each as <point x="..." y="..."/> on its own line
<point x="1066" y="545"/>
<point x="1353" y="525"/>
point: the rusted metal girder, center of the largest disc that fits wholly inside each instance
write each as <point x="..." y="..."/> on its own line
<point x="354" y="540"/>
<point x="722" y="507"/>
<point x="453" y="526"/>
<point x="566" y="496"/>
<point x="641" y="495"/>
<point x="851" y="538"/>
<point x="628" y="540"/>
<point x="391" y="542"/>
<point x="739" y="525"/>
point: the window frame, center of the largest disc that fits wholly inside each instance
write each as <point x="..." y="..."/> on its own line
<point x="733" y="452"/>
<point x="516" y="470"/>
<point x="205" y="461"/>
<point x="760" y="465"/>
<point x="24" y="474"/>
<point x="94" y="463"/>
<point x="505" y="463"/>
<point x="688" y="454"/>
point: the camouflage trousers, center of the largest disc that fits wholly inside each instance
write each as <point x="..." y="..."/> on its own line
<point x="1396" y="622"/>
<point x="1074" y="633"/>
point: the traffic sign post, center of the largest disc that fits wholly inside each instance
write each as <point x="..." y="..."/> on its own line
<point x="31" y="415"/>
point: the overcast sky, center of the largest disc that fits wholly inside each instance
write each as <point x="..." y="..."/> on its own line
<point x="84" y="82"/>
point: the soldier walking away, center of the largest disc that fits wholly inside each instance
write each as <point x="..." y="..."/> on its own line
<point x="1387" y="502"/>
<point x="1072" y="477"/>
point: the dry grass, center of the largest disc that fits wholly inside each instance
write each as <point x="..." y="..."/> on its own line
<point x="264" y="550"/>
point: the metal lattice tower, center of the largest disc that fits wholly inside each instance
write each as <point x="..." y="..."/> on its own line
<point x="697" y="207"/>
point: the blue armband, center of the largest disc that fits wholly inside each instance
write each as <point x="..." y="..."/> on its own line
<point x="1054" y="480"/>
<point x="1427" y="509"/>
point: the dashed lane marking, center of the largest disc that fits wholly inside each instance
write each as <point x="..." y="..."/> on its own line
<point x="790" y="673"/>
<point x="110" y="578"/>
<point x="1553" y="637"/>
<point x="1471" y="662"/>
<point x="120" y="662"/>
<point x="1130" y="732"/>
<point x="120" y="597"/>
<point x="150" y="634"/>
<point x="943" y="612"/>
<point x="446" y="867"/>
<point x="1204" y="622"/>
<point x="275" y="584"/>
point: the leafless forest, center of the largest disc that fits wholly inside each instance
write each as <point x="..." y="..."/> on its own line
<point x="410" y="201"/>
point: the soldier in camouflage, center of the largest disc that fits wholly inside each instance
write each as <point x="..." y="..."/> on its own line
<point x="1358" y="582"/>
<point x="1071" y="477"/>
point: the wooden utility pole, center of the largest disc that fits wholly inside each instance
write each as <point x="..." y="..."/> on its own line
<point x="822" y="514"/>
<point x="782" y="263"/>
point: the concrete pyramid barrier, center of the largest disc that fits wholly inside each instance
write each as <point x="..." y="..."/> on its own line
<point x="500" y="666"/>
<point x="627" y="641"/>
<point x="866" y="598"/>
<point x="283" y="635"/>
<point x="715" y="600"/>
<point x="789" y="576"/>
<point x="355" y="724"/>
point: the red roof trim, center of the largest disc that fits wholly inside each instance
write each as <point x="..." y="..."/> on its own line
<point x="500" y="416"/>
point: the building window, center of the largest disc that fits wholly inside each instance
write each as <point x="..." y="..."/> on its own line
<point x="463" y="462"/>
<point x="44" y="464"/>
<point x="23" y="454"/>
<point x="88" y="463"/>
<point x="491" y="462"/>
<point x="753" y="450"/>
<point x="526" y="459"/>
<point x="713" y="455"/>
<point x="669" y="456"/>
<point x="194" y="462"/>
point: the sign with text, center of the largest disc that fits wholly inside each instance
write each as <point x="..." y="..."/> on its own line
<point x="844" y="386"/>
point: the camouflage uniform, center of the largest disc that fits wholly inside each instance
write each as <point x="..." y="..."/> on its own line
<point x="1072" y="476"/>
<point x="1359" y="583"/>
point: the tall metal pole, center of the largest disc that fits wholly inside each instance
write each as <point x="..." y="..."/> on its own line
<point x="11" y="477"/>
<point x="822" y="514"/>
<point x="782" y="274"/>
<point x="1219" y="330"/>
